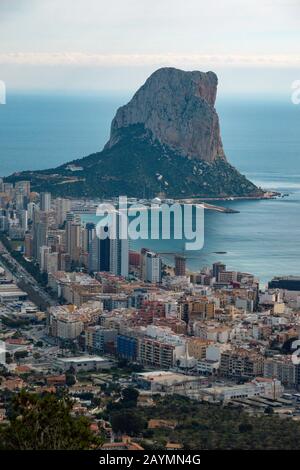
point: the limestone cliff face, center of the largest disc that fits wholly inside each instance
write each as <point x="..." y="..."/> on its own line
<point x="178" y="108"/>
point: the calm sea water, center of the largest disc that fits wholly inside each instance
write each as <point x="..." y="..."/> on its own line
<point x="261" y="138"/>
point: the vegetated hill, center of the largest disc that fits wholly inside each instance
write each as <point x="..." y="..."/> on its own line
<point x="138" y="166"/>
<point x="212" y="426"/>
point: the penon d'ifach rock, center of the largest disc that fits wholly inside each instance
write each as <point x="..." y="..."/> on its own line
<point x="166" y="140"/>
<point x="178" y="108"/>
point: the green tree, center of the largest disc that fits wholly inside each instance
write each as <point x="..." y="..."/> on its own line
<point x="245" y="427"/>
<point x="127" y="422"/>
<point x="269" y="410"/>
<point x="45" y="423"/>
<point x="130" y="395"/>
<point x="8" y="358"/>
<point x="20" y="355"/>
<point x="70" y="379"/>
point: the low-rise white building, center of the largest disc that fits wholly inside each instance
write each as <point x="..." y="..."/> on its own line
<point x="83" y="363"/>
<point x="269" y="388"/>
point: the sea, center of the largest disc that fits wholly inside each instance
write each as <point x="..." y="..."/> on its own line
<point x="261" y="137"/>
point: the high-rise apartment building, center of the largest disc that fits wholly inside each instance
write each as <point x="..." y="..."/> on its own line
<point x="119" y="252"/>
<point x="44" y="251"/>
<point x="28" y="245"/>
<point x="45" y="202"/>
<point x="180" y="265"/>
<point x="51" y="262"/>
<point x="217" y="269"/>
<point x="23" y="219"/>
<point x="151" y="266"/>
<point x="99" y="252"/>
<point x="74" y="240"/>
<point x="62" y="207"/>
<point x="23" y="188"/>
<point x="40" y="232"/>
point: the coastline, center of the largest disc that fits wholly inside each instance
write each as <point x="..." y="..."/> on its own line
<point x="265" y="195"/>
<point x="228" y="210"/>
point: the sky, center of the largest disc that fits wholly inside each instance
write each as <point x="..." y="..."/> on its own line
<point x="72" y="45"/>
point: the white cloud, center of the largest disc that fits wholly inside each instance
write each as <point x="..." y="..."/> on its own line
<point x="116" y="60"/>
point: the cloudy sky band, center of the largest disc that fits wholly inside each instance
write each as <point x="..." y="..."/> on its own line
<point x="110" y="60"/>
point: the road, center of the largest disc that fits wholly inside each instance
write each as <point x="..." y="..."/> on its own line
<point x="25" y="281"/>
